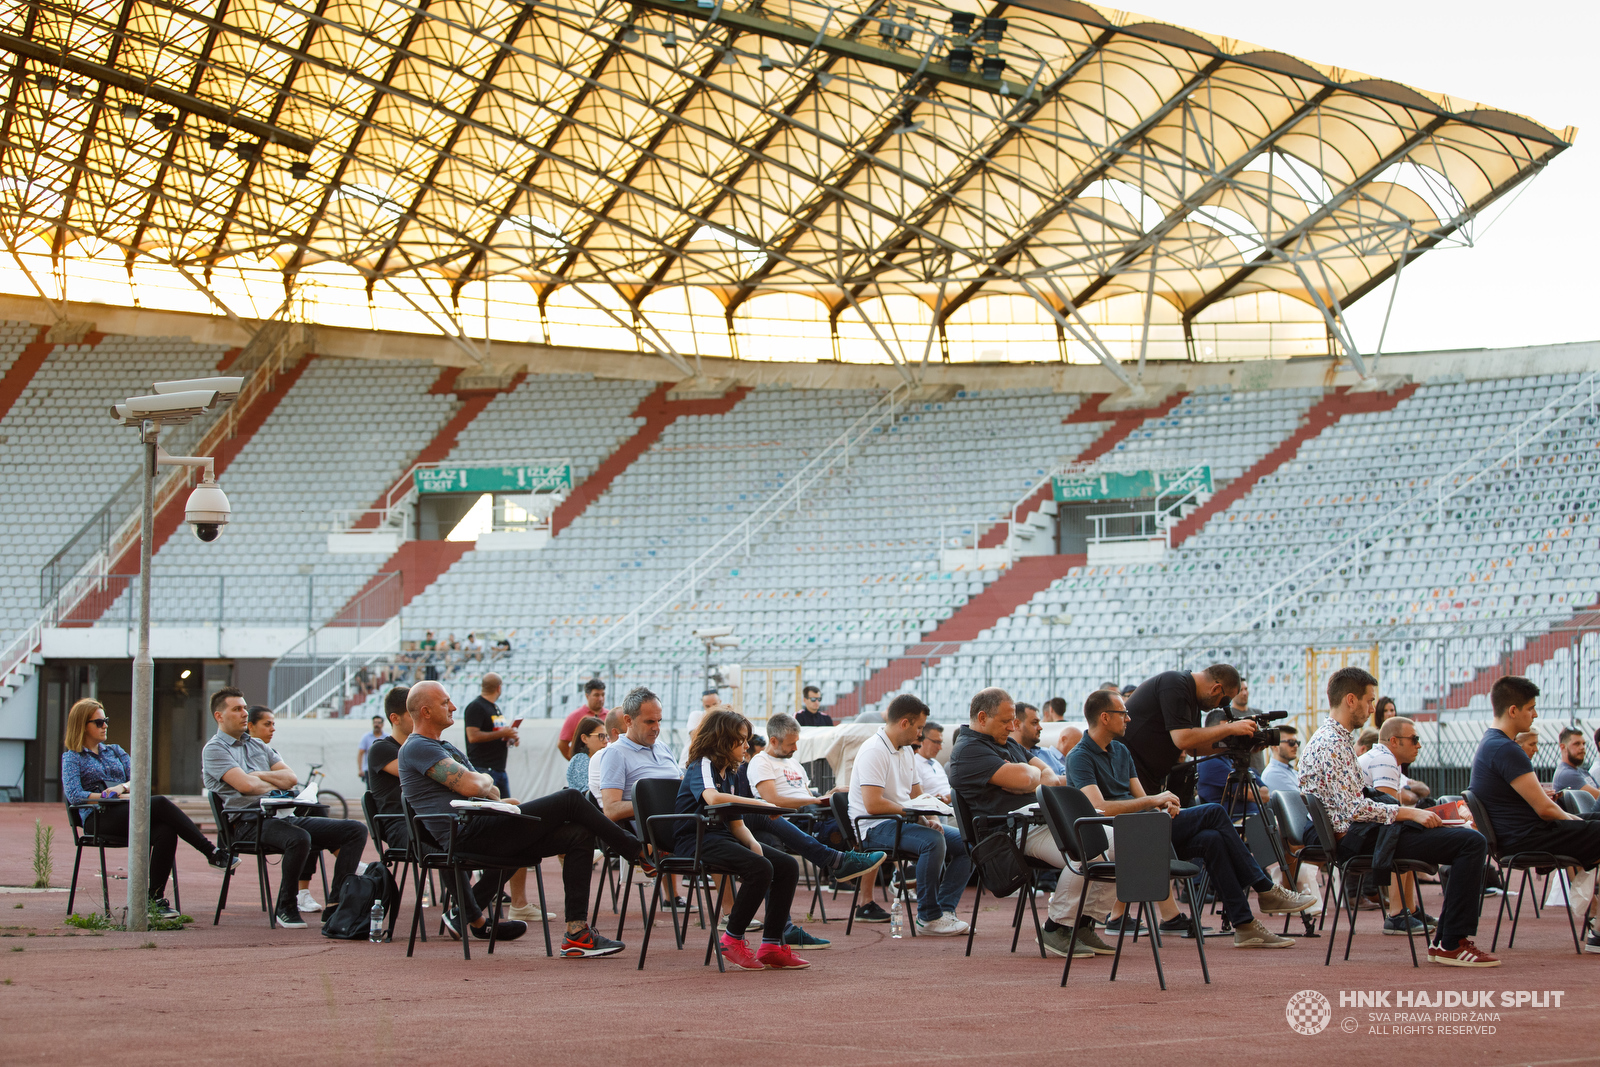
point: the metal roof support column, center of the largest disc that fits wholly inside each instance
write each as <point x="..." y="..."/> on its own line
<point x="1336" y="328"/>
<point x="1087" y="337"/>
<point x="894" y="357"/>
<point x="1149" y="304"/>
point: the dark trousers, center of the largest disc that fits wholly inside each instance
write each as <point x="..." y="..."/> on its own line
<point x="1206" y="832"/>
<point x="501" y="782"/>
<point x="1579" y="839"/>
<point x="1462" y="848"/>
<point x="168" y="824"/>
<point x="301" y="839"/>
<point x="771" y="876"/>
<point x="569" y="825"/>
<point x="783" y="834"/>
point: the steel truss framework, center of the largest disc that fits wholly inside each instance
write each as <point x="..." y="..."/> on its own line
<point x="637" y="147"/>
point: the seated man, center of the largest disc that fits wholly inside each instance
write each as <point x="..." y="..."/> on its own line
<point x="1397" y="741"/>
<point x="383" y="769"/>
<point x="1029" y="730"/>
<point x="638" y="754"/>
<point x="1103" y="768"/>
<point x="1569" y="771"/>
<point x="242" y="770"/>
<point x="433" y="773"/>
<point x="1329" y="772"/>
<point x="616" y="725"/>
<point x="883" y="780"/>
<point x="930" y="772"/>
<point x="1524" y="817"/>
<point x="1280" y="774"/>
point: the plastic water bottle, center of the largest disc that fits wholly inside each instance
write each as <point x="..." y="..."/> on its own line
<point x="375" y="921"/>
<point x="897" y="918"/>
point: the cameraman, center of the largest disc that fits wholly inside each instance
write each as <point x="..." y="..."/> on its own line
<point x="1166" y="719"/>
<point x="1329" y="772"/>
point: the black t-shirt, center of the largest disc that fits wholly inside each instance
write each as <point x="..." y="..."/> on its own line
<point x="814" y="718"/>
<point x="417" y="756"/>
<point x="1499" y="762"/>
<point x="973" y="761"/>
<point x="485" y="755"/>
<point x="385" y="787"/>
<point x="1163" y="703"/>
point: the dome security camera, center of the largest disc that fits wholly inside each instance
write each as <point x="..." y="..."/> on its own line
<point x="207" y="510"/>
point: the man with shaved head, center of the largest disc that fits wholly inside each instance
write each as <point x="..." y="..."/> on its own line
<point x="434" y="773"/>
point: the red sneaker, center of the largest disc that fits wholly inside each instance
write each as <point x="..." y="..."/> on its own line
<point x="736" y="954"/>
<point x="780" y="957"/>
<point x="1466" y="954"/>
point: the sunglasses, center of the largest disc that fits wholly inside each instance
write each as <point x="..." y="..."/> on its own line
<point x="1292" y="744"/>
<point x="1413" y="738"/>
<point x="97" y="722"/>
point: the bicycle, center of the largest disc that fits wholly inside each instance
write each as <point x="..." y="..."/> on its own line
<point x="327" y="797"/>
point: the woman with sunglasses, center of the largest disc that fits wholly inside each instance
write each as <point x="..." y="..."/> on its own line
<point x="93" y="768"/>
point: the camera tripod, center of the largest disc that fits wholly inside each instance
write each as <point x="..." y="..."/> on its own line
<point x="1238" y="793"/>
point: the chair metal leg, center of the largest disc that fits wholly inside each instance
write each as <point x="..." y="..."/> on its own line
<point x="72" y="894"/>
<point x="854" y="898"/>
<point x="1016" y="918"/>
<point x="461" y="913"/>
<point x="649" y="921"/>
<point x="1155" y="941"/>
<point x="416" y="915"/>
<point x="714" y="942"/>
<point x="1199" y="937"/>
<point x="1355" y="907"/>
<point x="222" y="896"/>
<point x="1122" y="932"/>
<point x="1566" y="893"/>
<point x="538" y="879"/>
<point x="1340" y="891"/>
<point x="1072" y="943"/>
<point x="627" y="889"/>
<point x="266" y="890"/>
<point x="1038" y="927"/>
<point x="1499" y="914"/>
<point x="177" y="894"/>
<point x="972" y="927"/>
<point x="1522" y="894"/>
<point x="105" y="883"/>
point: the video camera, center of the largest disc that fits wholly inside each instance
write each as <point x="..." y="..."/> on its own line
<point x="1239" y="748"/>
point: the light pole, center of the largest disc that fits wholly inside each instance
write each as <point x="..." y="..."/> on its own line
<point x="207" y="511"/>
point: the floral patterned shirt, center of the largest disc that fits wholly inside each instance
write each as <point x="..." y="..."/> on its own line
<point x="1329" y="772"/>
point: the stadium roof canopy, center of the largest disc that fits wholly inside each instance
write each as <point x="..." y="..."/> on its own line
<point x="785" y="179"/>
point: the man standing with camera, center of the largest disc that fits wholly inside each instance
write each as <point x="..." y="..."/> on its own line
<point x="1166" y="720"/>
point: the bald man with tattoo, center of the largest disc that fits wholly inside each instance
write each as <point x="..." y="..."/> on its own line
<point x="433" y="773"/>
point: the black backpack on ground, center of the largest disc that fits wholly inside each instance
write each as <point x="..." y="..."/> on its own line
<point x="351" y="919"/>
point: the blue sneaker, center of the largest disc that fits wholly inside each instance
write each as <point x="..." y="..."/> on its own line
<point x="795" y="937"/>
<point x="855" y="864"/>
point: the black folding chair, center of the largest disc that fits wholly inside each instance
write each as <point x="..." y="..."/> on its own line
<point x="654" y="804"/>
<point x="229" y="841"/>
<point x="1142" y="872"/>
<point x="1526" y="862"/>
<point x="1342" y="865"/>
<point x="972" y="830"/>
<point x="850" y="830"/>
<point x="395" y="860"/>
<point x="428" y="854"/>
<point x="1576" y="802"/>
<point x="1289" y="812"/>
<point x="83" y="837"/>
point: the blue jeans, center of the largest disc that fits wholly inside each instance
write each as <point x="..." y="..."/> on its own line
<point x="935" y="851"/>
<point x="501" y="782"/>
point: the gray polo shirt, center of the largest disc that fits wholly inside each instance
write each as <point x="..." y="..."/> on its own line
<point x="222" y="753"/>
<point x="627" y="762"/>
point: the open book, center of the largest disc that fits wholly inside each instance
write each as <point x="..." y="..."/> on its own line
<point x="928" y="804"/>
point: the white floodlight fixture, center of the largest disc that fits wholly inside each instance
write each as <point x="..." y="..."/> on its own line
<point x="226" y="387"/>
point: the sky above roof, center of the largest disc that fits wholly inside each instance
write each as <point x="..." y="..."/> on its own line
<point x="1530" y="280"/>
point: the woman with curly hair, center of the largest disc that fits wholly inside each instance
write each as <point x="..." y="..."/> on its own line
<point x="715" y="756"/>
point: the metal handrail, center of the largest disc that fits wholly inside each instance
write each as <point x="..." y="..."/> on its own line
<point x="389" y="631"/>
<point x="836" y="451"/>
<point x="1337" y="556"/>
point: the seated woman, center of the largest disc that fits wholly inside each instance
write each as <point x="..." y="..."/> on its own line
<point x="93" y="768"/>
<point x="587" y="742"/>
<point x="715" y="755"/>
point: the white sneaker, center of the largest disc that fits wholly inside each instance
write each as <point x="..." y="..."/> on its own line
<point x="529" y="913"/>
<point x="305" y="903"/>
<point x="946" y="925"/>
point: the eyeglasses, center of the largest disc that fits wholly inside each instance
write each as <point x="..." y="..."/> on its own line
<point x="1291" y="744"/>
<point x="1413" y="738"/>
<point x="97" y="722"/>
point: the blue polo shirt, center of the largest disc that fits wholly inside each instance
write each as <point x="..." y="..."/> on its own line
<point x="627" y="762"/>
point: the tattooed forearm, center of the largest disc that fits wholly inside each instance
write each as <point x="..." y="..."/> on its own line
<point x="454" y="777"/>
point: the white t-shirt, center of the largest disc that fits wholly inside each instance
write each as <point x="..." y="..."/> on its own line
<point x="879" y="763"/>
<point x="594" y="771"/>
<point x="1381" y="769"/>
<point x="931" y="774"/>
<point x="787" y="774"/>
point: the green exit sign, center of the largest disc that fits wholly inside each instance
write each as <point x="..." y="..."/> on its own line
<point x="517" y="478"/>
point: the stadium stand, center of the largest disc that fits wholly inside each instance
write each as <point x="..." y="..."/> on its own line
<point x="49" y="441"/>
